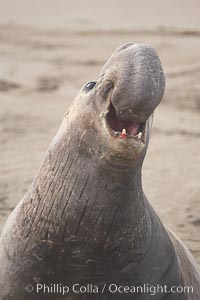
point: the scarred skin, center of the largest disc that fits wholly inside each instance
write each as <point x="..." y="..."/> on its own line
<point x="86" y="219"/>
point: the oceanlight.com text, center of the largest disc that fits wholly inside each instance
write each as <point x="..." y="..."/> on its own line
<point x="112" y="288"/>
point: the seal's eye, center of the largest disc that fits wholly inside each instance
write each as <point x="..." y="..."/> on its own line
<point x="89" y="86"/>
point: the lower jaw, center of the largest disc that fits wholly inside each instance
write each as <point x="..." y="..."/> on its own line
<point x="123" y="153"/>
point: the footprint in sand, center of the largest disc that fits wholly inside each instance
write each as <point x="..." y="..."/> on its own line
<point x="6" y="86"/>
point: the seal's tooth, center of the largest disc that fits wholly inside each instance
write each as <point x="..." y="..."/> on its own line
<point x="117" y="133"/>
<point x="124" y="131"/>
<point x="139" y="135"/>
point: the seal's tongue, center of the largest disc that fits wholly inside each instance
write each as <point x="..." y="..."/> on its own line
<point x="130" y="128"/>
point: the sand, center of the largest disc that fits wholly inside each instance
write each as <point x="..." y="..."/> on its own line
<point x="49" y="49"/>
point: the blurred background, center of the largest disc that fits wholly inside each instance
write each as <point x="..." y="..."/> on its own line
<point x="50" y="48"/>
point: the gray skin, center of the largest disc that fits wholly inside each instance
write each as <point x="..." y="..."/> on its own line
<point x="85" y="218"/>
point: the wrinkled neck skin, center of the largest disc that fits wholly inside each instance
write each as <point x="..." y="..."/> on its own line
<point x="83" y="213"/>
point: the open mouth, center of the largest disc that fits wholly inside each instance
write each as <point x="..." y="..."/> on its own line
<point x="124" y="129"/>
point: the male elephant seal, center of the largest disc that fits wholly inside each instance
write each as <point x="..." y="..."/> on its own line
<point x="86" y="224"/>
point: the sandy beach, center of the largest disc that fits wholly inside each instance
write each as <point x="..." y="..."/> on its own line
<point x="49" y="49"/>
